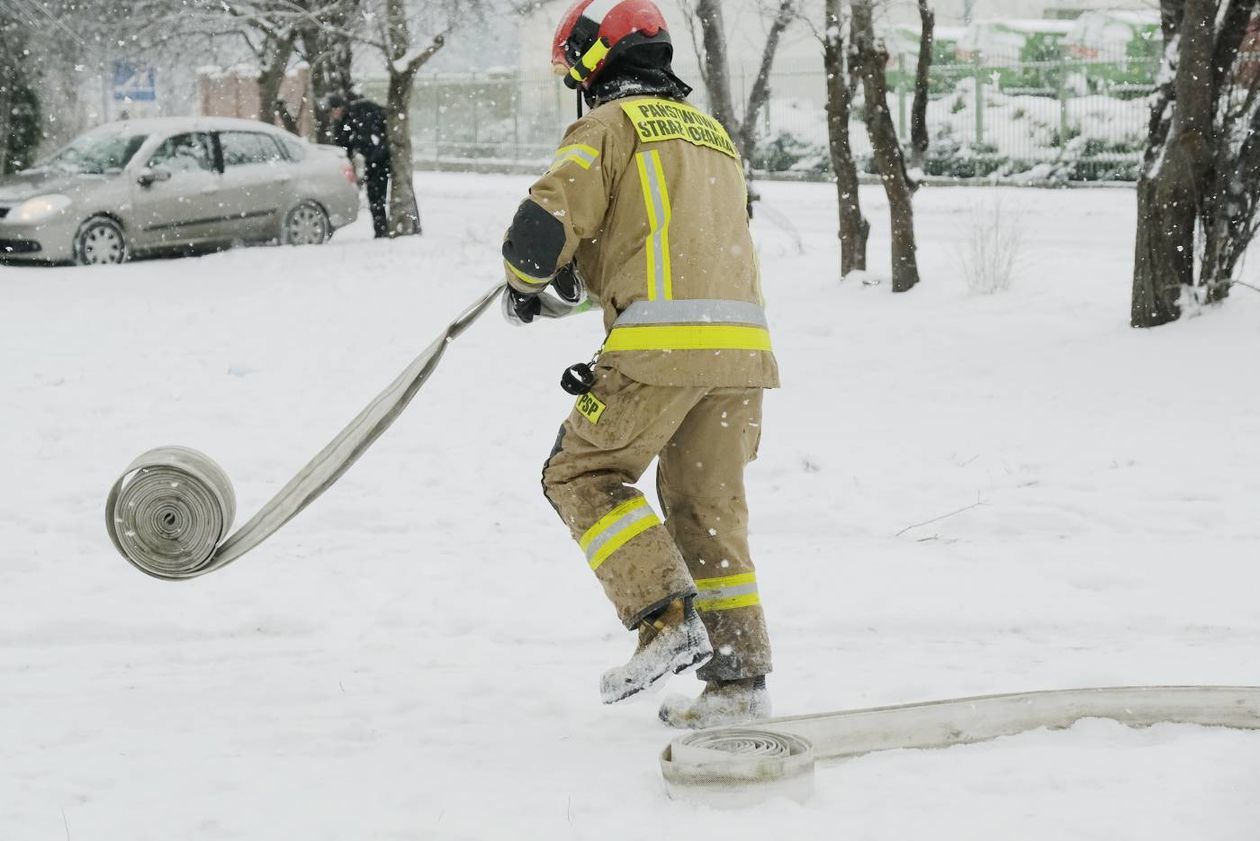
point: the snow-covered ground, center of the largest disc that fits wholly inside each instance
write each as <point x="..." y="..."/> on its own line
<point x="417" y="655"/>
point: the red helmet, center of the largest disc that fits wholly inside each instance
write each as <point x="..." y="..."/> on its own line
<point x="594" y="32"/>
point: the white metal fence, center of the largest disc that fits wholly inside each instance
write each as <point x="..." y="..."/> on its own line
<point x="1036" y="121"/>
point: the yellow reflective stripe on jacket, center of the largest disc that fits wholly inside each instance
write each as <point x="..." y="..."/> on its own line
<point x="660" y="282"/>
<point x="581" y="154"/>
<point x="531" y="281"/>
<point x="727" y="592"/>
<point x="617" y="528"/>
<point x="688" y="337"/>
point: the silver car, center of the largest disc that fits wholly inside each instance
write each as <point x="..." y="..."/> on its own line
<point x="173" y="184"/>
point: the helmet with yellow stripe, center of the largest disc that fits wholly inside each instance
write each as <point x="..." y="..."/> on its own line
<point x="593" y="33"/>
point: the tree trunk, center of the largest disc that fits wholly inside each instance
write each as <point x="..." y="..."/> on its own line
<point x="853" y="226"/>
<point x="285" y="118"/>
<point x="714" y="68"/>
<point x="1236" y="216"/>
<point x="1176" y="172"/>
<point x="404" y="212"/>
<point x="1161" y="266"/>
<point x="869" y="61"/>
<point x="271" y="77"/>
<point x="918" y="111"/>
<point x="8" y="87"/>
<point x="1228" y="208"/>
<point x="12" y="81"/>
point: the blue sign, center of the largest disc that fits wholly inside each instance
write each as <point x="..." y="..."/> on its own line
<point x="134" y="83"/>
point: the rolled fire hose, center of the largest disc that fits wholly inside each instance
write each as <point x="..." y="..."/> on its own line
<point x="738" y="765"/>
<point x="170" y="512"/>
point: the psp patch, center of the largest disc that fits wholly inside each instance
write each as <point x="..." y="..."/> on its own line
<point x="591" y="407"/>
<point x="660" y="119"/>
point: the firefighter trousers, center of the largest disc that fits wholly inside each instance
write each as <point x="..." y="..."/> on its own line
<point x="698" y="546"/>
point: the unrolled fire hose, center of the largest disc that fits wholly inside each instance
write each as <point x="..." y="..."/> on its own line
<point x="172" y="508"/>
<point x="170" y="512"/>
<point x="776" y="757"/>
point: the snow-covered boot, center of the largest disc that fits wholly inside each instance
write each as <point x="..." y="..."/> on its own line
<point x="671" y="642"/>
<point x="721" y="704"/>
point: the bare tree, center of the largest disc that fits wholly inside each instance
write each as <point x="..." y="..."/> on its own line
<point x="13" y="38"/>
<point x="1199" y="187"/>
<point x="704" y="20"/>
<point x="919" y="139"/>
<point x="404" y="62"/>
<point x="270" y="34"/>
<point x="841" y="85"/>
<point x="869" y="59"/>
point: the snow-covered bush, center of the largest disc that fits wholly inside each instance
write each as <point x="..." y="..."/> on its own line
<point x="798" y="142"/>
<point x="949" y="158"/>
<point x="787" y="152"/>
<point x="989" y="246"/>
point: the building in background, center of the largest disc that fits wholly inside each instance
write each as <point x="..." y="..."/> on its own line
<point x="234" y="92"/>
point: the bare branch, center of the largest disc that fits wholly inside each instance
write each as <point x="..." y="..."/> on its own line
<point x="417" y="61"/>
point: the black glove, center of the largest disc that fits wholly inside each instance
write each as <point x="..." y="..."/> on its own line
<point x="519" y="308"/>
<point x="565" y="295"/>
<point x="568" y="285"/>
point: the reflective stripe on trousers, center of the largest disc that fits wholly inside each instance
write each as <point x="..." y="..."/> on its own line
<point x="728" y="592"/>
<point x="617" y="528"/>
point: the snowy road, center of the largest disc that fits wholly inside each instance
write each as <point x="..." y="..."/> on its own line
<point x="417" y="655"/>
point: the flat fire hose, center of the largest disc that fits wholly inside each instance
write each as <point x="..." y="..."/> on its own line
<point x="170" y="512"/>
<point x="776" y="757"/>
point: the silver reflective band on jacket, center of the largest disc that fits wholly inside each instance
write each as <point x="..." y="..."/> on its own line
<point x="700" y="311"/>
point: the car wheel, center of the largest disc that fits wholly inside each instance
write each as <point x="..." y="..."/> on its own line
<point x="306" y="224"/>
<point x="100" y="242"/>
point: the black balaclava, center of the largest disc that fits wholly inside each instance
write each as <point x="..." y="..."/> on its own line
<point x="642" y="69"/>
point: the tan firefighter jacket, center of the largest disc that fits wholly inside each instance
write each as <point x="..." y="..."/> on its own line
<point x="648" y="195"/>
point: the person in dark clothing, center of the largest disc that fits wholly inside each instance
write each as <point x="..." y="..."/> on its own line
<point x="359" y="126"/>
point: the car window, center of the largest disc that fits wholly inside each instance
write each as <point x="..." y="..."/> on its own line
<point x="241" y="148"/>
<point x="293" y="148"/>
<point x="184" y="153"/>
<point x="97" y="153"/>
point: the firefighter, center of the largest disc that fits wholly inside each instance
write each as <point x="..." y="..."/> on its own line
<point x="360" y="126"/>
<point x="644" y="204"/>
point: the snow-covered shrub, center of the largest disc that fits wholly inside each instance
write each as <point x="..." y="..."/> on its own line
<point x="787" y="152"/>
<point x="989" y="246"/>
<point x="949" y="158"/>
<point x="799" y="141"/>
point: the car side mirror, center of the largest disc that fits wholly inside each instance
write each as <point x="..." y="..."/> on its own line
<point x="149" y="177"/>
